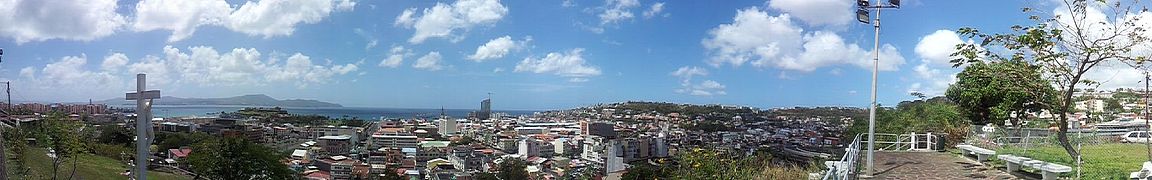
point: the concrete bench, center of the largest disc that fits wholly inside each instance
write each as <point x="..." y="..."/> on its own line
<point x="1145" y="172"/>
<point x="981" y="153"/>
<point x="1048" y="170"/>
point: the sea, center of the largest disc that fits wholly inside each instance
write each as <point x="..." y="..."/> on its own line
<point x="365" y="113"/>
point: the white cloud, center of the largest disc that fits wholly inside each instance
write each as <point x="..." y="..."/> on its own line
<point x="934" y="81"/>
<point x="937" y="48"/>
<point x="616" y="11"/>
<point x="654" y="10"/>
<point x="817" y="12"/>
<point x="114" y="61"/>
<point x="395" y="57"/>
<point x="568" y="3"/>
<point x="935" y="72"/>
<point x="372" y="41"/>
<point x="271" y="18"/>
<point x="28" y="72"/>
<point x="687" y="85"/>
<point x="38" y="20"/>
<point x="205" y="66"/>
<point x="267" y="18"/>
<point x="68" y="75"/>
<point x="430" y="62"/>
<point x="775" y="41"/>
<point x="578" y="80"/>
<point x="345" y="5"/>
<point x="497" y="48"/>
<point x="180" y="16"/>
<point x="568" y="64"/>
<point x="689" y="72"/>
<point x="447" y="21"/>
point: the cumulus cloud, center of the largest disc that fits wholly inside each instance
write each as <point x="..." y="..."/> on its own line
<point x="616" y="11"/>
<point x="71" y="77"/>
<point x="570" y="63"/>
<point x="68" y="75"/>
<point x="756" y="38"/>
<point x="114" y="61"/>
<point x="691" y="87"/>
<point x="935" y="72"/>
<point x="937" y="48"/>
<point x="817" y="12"/>
<point x="396" y="56"/>
<point x="430" y="62"/>
<point x="654" y="10"/>
<point x="37" y="20"/>
<point x="271" y="18"/>
<point x="497" y="48"/>
<point x="182" y="17"/>
<point x="267" y="18"/>
<point x="449" y="20"/>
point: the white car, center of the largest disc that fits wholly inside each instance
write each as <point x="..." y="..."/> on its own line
<point x="1135" y="137"/>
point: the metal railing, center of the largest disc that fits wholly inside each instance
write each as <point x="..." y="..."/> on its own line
<point x="846" y="166"/>
<point x="907" y="142"/>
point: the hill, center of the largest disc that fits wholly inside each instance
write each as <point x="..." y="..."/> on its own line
<point x="245" y="100"/>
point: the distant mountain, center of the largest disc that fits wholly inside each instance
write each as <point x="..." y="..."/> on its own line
<point x="245" y="100"/>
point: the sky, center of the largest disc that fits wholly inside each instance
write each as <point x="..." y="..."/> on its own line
<point x="545" y="54"/>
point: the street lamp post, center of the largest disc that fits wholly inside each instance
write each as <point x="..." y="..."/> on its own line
<point x="862" y="16"/>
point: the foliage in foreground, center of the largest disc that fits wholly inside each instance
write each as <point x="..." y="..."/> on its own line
<point x="708" y="164"/>
<point x="236" y="158"/>
<point x="938" y="115"/>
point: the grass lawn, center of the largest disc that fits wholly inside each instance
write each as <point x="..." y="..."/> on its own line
<point x="1103" y="161"/>
<point x="89" y="167"/>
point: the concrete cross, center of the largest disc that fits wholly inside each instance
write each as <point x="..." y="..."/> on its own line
<point x="143" y="124"/>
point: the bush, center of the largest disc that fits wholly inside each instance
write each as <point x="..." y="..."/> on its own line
<point x="110" y="151"/>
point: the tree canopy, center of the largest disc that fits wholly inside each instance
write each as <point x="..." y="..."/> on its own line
<point x="236" y="158"/>
<point x="1080" y="36"/>
<point x="987" y="92"/>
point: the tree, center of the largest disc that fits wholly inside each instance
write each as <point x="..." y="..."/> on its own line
<point x="512" y="169"/>
<point x="116" y="135"/>
<point x="236" y="158"/>
<point x="1064" y="47"/>
<point x="1113" y="105"/>
<point x="996" y="90"/>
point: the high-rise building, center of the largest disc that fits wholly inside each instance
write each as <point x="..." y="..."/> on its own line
<point x="447" y="127"/>
<point x="485" y="109"/>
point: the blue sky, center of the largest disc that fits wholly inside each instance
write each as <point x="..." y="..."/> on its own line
<point x="529" y="54"/>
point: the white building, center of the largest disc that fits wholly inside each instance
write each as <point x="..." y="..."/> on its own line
<point x="529" y="147"/>
<point x="394" y="141"/>
<point x="447" y="127"/>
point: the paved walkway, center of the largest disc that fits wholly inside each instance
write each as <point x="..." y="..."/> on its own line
<point x="931" y="165"/>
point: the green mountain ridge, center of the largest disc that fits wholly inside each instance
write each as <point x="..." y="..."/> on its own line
<point x="245" y="100"/>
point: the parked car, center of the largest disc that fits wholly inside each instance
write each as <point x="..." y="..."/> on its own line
<point x="1135" y="137"/>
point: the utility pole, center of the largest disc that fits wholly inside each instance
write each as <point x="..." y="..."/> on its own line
<point x="143" y="124"/>
<point x="862" y="16"/>
<point x="1147" y="126"/>
<point x="3" y="149"/>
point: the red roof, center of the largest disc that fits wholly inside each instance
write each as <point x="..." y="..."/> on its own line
<point x="319" y="175"/>
<point x="179" y="153"/>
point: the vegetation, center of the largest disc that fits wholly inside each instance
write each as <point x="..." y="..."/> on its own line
<point x="236" y="158"/>
<point x="1063" y="48"/>
<point x="508" y="169"/>
<point x="992" y="91"/>
<point x="709" y="164"/>
<point x="931" y="115"/>
<point x="1103" y="161"/>
<point x="90" y="166"/>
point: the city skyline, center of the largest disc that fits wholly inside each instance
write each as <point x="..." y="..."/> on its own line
<point x="528" y="54"/>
